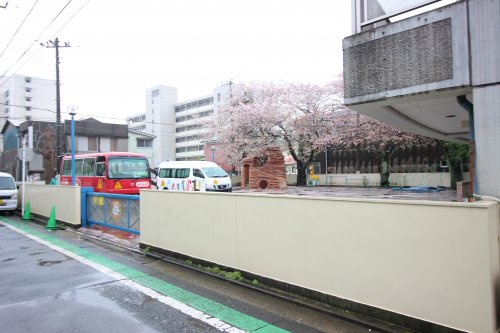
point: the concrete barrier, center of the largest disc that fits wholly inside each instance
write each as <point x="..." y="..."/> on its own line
<point x="434" y="261"/>
<point x="66" y="200"/>
<point x="373" y="179"/>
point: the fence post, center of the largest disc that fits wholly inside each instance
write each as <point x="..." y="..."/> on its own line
<point x="83" y="196"/>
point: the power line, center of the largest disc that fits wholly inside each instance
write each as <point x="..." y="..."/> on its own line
<point x="72" y="16"/>
<point x="24" y="106"/>
<point x="86" y="115"/>
<point x="31" y="45"/>
<point x="27" y="60"/>
<point x="15" y="33"/>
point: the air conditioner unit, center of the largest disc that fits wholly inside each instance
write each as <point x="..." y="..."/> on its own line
<point x="443" y="164"/>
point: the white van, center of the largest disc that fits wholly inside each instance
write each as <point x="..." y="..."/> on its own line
<point x="8" y="192"/>
<point x="192" y="176"/>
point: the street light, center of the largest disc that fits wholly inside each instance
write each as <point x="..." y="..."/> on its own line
<point x="72" y="112"/>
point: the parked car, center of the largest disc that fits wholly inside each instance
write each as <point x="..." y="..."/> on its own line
<point x="8" y="192"/>
<point x="192" y="176"/>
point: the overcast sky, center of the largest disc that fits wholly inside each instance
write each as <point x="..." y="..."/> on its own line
<point x="121" y="48"/>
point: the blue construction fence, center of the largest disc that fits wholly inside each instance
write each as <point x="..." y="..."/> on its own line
<point x="116" y="211"/>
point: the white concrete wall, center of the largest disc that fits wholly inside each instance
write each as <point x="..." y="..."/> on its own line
<point x="373" y="179"/>
<point x="65" y="199"/>
<point x="435" y="261"/>
<point x="487" y="132"/>
<point x="484" y="33"/>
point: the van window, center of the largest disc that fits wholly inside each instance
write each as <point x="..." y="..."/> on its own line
<point x="214" y="172"/>
<point x="165" y="173"/>
<point x="182" y="173"/>
<point x="7" y="183"/>
<point x="198" y="173"/>
<point x="174" y="173"/>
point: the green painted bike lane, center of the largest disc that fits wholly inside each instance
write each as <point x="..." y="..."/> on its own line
<point x="212" y="308"/>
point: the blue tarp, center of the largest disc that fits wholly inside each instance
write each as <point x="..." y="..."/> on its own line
<point x="418" y="189"/>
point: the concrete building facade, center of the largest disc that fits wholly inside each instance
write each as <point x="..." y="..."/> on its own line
<point x="159" y="121"/>
<point x="435" y="73"/>
<point x="24" y="98"/>
<point x="141" y="143"/>
<point x="179" y="128"/>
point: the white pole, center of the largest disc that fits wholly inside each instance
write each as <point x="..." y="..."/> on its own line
<point x="24" y="176"/>
<point x="326" y="166"/>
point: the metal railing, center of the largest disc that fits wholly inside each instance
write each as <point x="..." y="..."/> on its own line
<point x="116" y="211"/>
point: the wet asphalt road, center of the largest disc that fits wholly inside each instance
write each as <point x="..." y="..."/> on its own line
<point x="43" y="290"/>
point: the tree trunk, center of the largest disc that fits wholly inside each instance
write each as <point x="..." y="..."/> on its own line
<point x="385" y="170"/>
<point x="301" y="174"/>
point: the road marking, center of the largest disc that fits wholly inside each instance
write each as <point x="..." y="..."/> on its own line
<point x="214" y="314"/>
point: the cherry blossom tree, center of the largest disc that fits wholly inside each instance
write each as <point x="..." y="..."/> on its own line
<point x="293" y="116"/>
<point x="352" y="128"/>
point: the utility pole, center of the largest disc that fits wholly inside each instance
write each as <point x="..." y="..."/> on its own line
<point x="59" y="129"/>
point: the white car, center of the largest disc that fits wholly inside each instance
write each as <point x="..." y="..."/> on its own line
<point x="8" y="192"/>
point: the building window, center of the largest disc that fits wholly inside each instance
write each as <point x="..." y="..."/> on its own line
<point x="92" y="143"/>
<point x="138" y="128"/>
<point x="28" y="99"/>
<point x="137" y="119"/>
<point x="114" y="144"/>
<point x="6" y="94"/>
<point x="144" y="143"/>
<point x="180" y="139"/>
<point x="27" y="89"/>
<point x="28" y="108"/>
<point x="27" y="79"/>
<point x="155" y="93"/>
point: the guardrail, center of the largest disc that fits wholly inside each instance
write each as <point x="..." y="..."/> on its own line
<point x="116" y="211"/>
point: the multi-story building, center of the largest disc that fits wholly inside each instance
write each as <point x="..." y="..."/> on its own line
<point x="435" y="73"/>
<point x="27" y="98"/>
<point x="179" y="128"/>
<point x="159" y="121"/>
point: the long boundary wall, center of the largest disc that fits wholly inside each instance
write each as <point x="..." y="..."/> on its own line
<point x="373" y="179"/>
<point x="435" y="261"/>
<point x="65" y="199"/>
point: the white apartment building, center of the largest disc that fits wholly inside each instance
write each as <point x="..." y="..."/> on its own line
<point x="177" y="127"/>
<point x="27" y="98"/>
<point x="159" y="121"/>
